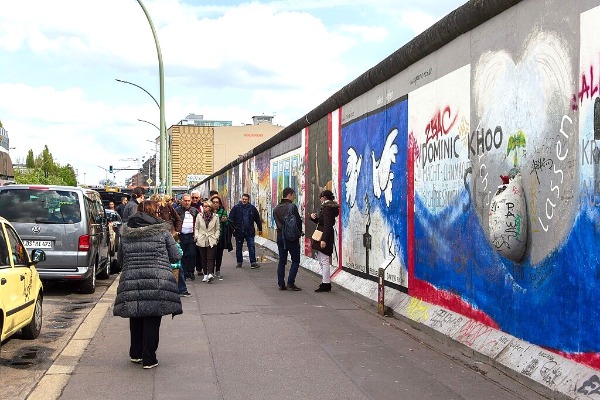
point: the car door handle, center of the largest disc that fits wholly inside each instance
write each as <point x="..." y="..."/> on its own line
<point x="22" y="277"/>
<point x="3" y="281"/>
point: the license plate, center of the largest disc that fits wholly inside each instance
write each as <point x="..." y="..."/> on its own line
<point x="38" y="244"/>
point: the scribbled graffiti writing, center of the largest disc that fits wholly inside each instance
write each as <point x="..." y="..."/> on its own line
<point x="417" y="310"/>
<point x="441" y="150"/>
<point x="472" y="331"/>
<point x="587" y="90"/>
<point x="589" y="194"/>
<point x="540" y="274"/>
<point x="531" y="367"/>
<point x="511" y="224"/>
<point x="590" y="153"/>
<point x="441" y="123"/>
<point x="485" y="140"/>
<point x="591" y="386"/>
<point x="550" y="372"/>
<point x="541" y="164"/>
<point x="561" y="154"/>
<point x="445" y="319"/>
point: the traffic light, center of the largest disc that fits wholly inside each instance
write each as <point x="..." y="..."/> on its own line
<point x="110" y="169"/>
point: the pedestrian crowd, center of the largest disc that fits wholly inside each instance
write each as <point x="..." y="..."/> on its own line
<point x="165" y="244"/>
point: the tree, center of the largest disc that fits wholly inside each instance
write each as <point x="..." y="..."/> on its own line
<point x="47" y="162"/>
<point x="30" y="161"/>
<point x="43" y="170"/>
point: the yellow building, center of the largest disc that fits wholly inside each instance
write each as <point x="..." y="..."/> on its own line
<point x="201" y="150"/>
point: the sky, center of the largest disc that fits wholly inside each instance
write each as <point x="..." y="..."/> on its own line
<point x="225" y="60"/>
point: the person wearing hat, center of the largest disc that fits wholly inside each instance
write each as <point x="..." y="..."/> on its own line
<point x="131" y="207"/>
<point x="325" y="221"/>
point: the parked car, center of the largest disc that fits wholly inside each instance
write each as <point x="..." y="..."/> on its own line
<point x="21" y="291"/>
<point x="114" y="223"/>
<point x="68" y="223"/>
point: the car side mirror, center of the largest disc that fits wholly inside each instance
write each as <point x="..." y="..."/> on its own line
<point x="37" y="256"/>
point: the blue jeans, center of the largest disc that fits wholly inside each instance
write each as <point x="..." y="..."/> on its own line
<point x="293" y="248"/>
<point x="181" y="286"/>
<point x="239" y="243"/>
<point x="188" y="246"/>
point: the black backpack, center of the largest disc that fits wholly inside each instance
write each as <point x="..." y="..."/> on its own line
<point x="289" y="229"/>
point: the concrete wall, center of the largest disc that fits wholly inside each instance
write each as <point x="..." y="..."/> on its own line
<point x="416" y="160"/>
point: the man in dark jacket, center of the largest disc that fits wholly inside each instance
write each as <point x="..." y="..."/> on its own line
<point x="284" y="246"/>
<point x="137" y="196"/>
<point x="242" y="217"/>
<point x="188" y="215"/>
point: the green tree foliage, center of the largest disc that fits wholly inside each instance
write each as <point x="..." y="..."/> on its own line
<point x="44" y="171"/>
<point x="30" y="161"/>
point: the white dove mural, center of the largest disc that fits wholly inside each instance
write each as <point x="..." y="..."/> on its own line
<point x="382" y="174"/>
<point x="352" y="172"/>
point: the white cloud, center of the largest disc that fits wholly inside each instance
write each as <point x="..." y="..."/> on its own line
<point x="366" y="33"/>
<point x="225" y="62"/>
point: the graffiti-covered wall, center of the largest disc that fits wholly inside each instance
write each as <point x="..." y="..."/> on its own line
<point x="471" y="176"/>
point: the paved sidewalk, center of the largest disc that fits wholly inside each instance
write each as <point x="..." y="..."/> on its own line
<point x="242" y="338"/>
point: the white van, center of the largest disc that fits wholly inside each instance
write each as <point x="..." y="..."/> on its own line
<point x="68" y="223"/>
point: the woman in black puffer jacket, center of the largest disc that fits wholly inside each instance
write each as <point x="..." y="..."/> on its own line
<point x="147" y="289"/>
<point x="325" y="221"/>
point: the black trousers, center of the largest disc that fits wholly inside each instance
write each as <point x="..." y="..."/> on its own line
<point x="144" y="338"/>
<point x="188" y="260"/>
<point x="219" y="253"/>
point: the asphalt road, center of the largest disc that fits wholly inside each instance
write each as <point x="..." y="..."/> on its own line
<point x="24" y="362"/>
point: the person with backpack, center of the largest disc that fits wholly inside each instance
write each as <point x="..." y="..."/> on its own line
<point x="289" y="231"/>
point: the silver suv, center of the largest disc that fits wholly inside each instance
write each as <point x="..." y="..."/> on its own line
<point x="68" y="223"/>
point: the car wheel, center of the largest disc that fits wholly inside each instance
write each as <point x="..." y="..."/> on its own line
<point x="105" y="273"/>
<point x="89" y="285"/>
<point x="32" y="330"/>
<point x="1" y="327"/>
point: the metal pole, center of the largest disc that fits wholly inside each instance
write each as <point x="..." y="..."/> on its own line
<point x="138" y="86"/>
<point x="163" y="137"/>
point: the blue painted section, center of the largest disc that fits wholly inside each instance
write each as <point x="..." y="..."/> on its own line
<point x="551" y="304"/>
<point x="366" y="135"/>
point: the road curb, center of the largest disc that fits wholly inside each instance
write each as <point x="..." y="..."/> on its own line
<point x="55" y="379"/>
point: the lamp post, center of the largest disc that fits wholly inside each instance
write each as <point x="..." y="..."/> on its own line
<point x="155" y="154"/>
<point x="143" y="120"/>
<point x="163" y="134"/>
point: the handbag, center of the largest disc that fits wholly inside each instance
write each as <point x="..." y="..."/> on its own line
<point x="316" y="236"/>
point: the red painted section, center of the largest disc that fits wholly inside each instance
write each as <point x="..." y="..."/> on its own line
<point x="429" y="293"/>
<point x="589" y="359"/>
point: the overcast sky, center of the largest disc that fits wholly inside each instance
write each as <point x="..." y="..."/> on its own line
<point x="223" y="59"/>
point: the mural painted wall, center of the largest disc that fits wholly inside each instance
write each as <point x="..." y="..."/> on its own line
<point x="318" y="172"/>
<point x="374" y="193"/>
<point x="474" y="175"/>
<point x="286" y="171"/>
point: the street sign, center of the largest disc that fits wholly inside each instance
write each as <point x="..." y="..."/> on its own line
<point x="149" y="181"/>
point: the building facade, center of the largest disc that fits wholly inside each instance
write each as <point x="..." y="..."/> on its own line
<point x="201" y="150"/>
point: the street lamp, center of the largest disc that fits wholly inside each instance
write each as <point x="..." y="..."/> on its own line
<point x="163" y="134"/>
<point x="143" y="120"/>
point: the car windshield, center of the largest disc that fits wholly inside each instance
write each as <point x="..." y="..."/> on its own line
<point x="40" y="206"/>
